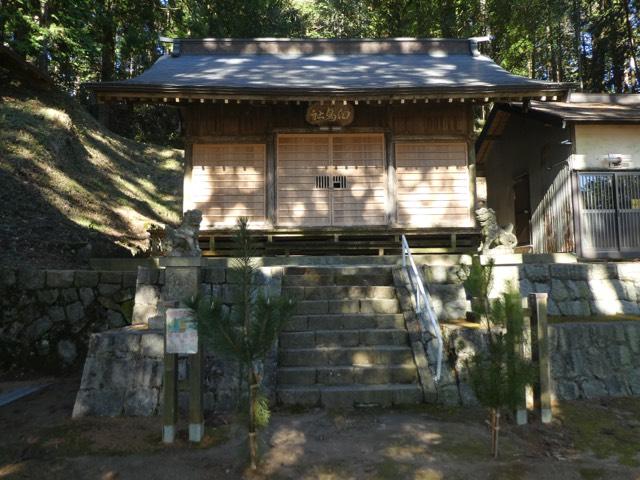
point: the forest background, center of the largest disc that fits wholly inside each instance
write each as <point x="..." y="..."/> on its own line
<point x="593" y="43"/>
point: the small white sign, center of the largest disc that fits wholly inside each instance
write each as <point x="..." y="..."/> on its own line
<point x="182" y="331"/>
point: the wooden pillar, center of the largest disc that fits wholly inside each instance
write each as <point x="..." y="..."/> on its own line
<point x="471" y="166"/>
<point x="524" y="352"/>
<point x="170" y="397"/>
<point x="196" y="415"/>
<point x="390" y="168"/>
<point x="187" y="191"/>
<point x="540" y="354"/>
<point x="271" y="179"/>
<point x="182" y="281"/>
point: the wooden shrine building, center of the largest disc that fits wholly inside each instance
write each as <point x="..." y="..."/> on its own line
<point x="330" y="143"/>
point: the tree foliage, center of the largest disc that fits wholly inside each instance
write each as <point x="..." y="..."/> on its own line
<point x="592" y="42"/>
<point x="246" y="332"/>
<point x="498" y="373"/>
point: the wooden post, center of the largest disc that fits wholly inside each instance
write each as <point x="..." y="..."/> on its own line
<point x="524" y="352"/>
<point x="271" y="192"/>
<point x="170" y="397"/>
<point x="540" y="353"/>
<point x="196" y="416"/>
<point x="182" y="281"/>
<point x="390" y="164"/>
<point x="187" y="192"/>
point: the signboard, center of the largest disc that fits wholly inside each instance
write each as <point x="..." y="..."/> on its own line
<point x="182" y="331"/>
<point x="635" y="203"/>
<point x="328" y="114"/>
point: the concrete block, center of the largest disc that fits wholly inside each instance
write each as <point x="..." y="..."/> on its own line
<point x="364" y="279"/>
<point x="103" y="402"/>
<point x="337" y="338"/>
<point x="129" y="279"/>
<point x="297" y="376"/>
<point x="142" y="312"/>
<point x="325" y="322"/>
<point x="31" y="279"/>
<point x="536" y="272"/>
<point x="350" y="397"/>
<point x="60" y="278"/>
<point x="312" y="307"/>
<point x="384" y="337"/>
<point x="48" y="296"/>
<point x="111" y="277"/>
<point x="297" y="293"/>
<point x="296" y="323"/>
<point x="379" y="306"/>
<point x="343" y="306"/>
<point x="307" y="397"/>
<point x="297" y="340"/>
<point x="57" y="314"/>
<point x="74" y="312"/>
<point x="147" y="294"/>
<point x="214" y="275"/>
<point x="8" y="277"/>
<point x="302" y="358"/>
<point x="335" y="376"/>
<point x="108" y="289"/>
<point x="141" y="402"/>
<point x="86" y="295"/>
<point x="152" y="345"/>
<point x="407" y="395"/>
<point x="68" y="295"/>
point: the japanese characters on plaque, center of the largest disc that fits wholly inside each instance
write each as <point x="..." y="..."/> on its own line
<point x="182" y="331"/>
<point x="328" y="114"/>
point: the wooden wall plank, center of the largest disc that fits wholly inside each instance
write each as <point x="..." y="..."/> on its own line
<point x="228" y="181"/>
<point x="433" y="184"/>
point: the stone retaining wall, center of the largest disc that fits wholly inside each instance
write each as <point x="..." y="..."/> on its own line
<point x="47" y="316"/>
<point x="123" y="372"/>
<point x="588" y="360"/>
<point x="575" y="289"/>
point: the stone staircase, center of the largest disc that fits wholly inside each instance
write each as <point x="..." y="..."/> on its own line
<point x="347" y="345"/>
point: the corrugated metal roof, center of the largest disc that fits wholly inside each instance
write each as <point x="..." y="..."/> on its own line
<point x="625" y="111"/>
<point x="323" y="66"/>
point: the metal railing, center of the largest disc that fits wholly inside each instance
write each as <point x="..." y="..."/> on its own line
<point x="424" y="308"/>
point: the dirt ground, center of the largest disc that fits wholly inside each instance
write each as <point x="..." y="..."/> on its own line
<point x="588" y="440"/>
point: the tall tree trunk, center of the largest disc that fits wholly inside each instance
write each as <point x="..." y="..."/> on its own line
<point x="3" y="19"/>
<point x="43" y="23"/>
<point x="631" y="44"/>
<point x="577" y="38"/>
<point x="598" y="51"/>
<point x="107" y="35"/>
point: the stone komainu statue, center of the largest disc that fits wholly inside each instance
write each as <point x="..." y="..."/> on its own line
<point x="183" y="241"/>
<point x="492" y="234"/>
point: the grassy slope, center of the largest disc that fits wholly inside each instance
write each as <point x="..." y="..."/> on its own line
<point x="66" y="182"/>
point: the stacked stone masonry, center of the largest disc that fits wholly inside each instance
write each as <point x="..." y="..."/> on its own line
<point x="60" y="314"/>
<point x="137" y="373"/>
<point x="48" y="315"/>
<point x="588" y="360"/>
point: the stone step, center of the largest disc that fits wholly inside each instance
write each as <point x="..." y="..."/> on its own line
<point x="370" y="305"/>
<point x="369" y="375"/>
<point x="345" y="356"/>
<point x="339" y="292"/>
<point x="301" y="323"/>
<point x="343" y="338"/>
<point x="351" y="396"/>
<point x="337" y="276"/>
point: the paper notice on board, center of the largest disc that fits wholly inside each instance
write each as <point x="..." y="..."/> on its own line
<point x="182" y="331"/>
